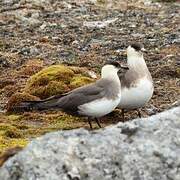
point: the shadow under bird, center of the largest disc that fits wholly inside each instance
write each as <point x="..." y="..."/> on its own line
<point x="93" y="101"/>
<point x="136" y="83"/>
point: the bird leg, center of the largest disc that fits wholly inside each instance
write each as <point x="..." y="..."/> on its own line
<point x="98" y="123"/>
<point x="122" y="112"/>
<point x="139" y="113"/>
<point x="89" y="121"/>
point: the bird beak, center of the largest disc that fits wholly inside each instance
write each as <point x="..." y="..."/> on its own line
<point x="144" y="50"/>
<point x="123" y="66"/>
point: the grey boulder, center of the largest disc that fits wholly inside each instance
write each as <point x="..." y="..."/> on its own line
<point x="143" y="149"/>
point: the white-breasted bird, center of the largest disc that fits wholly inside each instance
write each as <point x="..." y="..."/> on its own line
<point x="136" y="84"/>
<point x="93" y="101"/>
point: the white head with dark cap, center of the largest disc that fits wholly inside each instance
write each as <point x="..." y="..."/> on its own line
<point x="110" y="69"/>
<point x="135" y="55"/>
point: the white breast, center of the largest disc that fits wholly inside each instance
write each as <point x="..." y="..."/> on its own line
<point x="99" y="108"/>
<point x="135" y="97"/>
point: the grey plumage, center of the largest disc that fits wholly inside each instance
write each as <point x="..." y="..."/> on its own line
<point x="70" y="101"/>
<point x="131" y="78"/>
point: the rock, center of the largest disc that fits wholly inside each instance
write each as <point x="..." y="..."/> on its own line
<point x="4" y="62"/>
<point x="99" y="24"/>
<point x="146" y="148"/>
<point x="41" y="3"/>
<point x="151" y="110"/>
<point x="176" y="103"/>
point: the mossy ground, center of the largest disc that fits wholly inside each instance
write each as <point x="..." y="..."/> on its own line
<point x="10" y="135"/>
<point x="18" y="129"/>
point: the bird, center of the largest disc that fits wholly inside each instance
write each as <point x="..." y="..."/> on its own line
<point x="136" y="83"/>
<point x="92" y="101"/>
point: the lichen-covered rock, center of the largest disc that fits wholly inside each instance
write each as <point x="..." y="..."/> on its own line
<point x="146" y="149"/>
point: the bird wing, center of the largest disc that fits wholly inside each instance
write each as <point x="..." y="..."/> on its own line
<point x="82" y="95"/>
<point x="68" y="101"/>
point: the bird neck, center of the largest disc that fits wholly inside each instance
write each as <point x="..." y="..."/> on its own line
<point x="137" y="63"/>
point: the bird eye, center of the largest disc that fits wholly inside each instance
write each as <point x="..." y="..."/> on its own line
<point x="116" y="64"/>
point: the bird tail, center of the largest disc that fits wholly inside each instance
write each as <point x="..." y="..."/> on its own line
<point x="49" y="103"/>
<point x="26" y="106"/>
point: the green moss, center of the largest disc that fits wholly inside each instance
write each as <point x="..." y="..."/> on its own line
<point x="10" y="136"/>
<point x="56" y="72"/>
<point x="53" y="87"/>
<point x="6" y="143"/>
<point x="13" y="133"/>
<point x="4" y="126"/>
<point x="56" y="79"/>
<point x="67" y="122"/>
<point x="14" y="117"/>
<point x="8" y="130"/>
<point x="80" y="81"/>
<point x="49" y="81"/>
<point x="17" y="129"/>
<point x="101" y="1"/>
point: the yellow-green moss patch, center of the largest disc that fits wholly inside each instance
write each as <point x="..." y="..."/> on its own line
<point x="56" y="79"/>
<point x="6" y="143"/>
<point x="8" y="130"/>
<point x="10" y="136"/>
<point x="13" y="133"/>
<point x="55" y="72"/>
<point x="78" y="81"/>
<point x="14" y="117"/>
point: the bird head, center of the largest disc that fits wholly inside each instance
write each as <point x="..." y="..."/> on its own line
<point x="135" y="50"/>
<point x="115" y="66"/>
